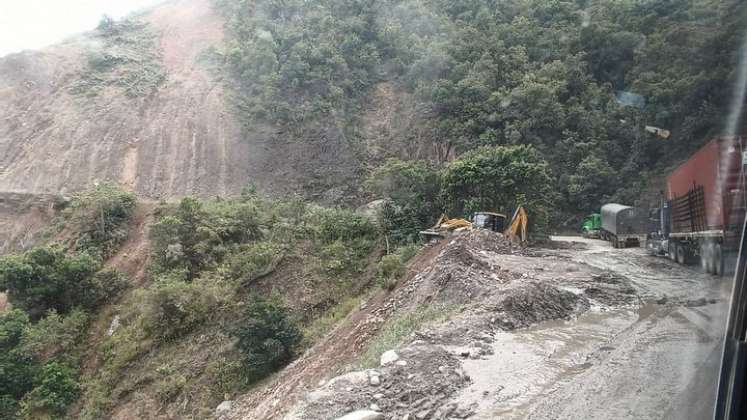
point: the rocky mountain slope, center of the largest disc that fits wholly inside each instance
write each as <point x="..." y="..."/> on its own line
<point x="65" y="125"/>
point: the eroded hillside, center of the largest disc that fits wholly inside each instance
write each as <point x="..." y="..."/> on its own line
<point x="146" y="103"/>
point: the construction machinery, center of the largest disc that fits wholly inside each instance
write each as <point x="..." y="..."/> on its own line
<point x="496" y="222"/>
<point x="443" y="228"/>
<point x="517" y="229"/>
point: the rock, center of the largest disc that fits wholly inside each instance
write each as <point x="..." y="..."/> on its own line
<point x="378" y="396"/>
<point x="423" y="414"/>
<point x="389" y="357"/>
<point x="401" y="363"/>
<point x="374" y="407"/>
<point x="362" y="415"/>
<point x="374" y="380"/>
<point x="223" y="408"/>
<point x="113" y="326"/>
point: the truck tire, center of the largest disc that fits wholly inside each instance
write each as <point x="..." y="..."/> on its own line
<point x="705" y="257"/>
<point x="672" y="250"/>
<point x="717" y="259"/>
<point x="681" y="254"/>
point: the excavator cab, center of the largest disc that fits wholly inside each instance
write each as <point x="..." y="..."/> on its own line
<point x="492" y="221"/>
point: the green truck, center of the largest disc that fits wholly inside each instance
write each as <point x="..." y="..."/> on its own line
<point x="592" y="226"/>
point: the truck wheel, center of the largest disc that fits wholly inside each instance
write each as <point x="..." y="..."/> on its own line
<point x="681" y="254"/>
<point x="718" y="260"/>
<point x="672" y="250"/>
<point x="705" y="258"/>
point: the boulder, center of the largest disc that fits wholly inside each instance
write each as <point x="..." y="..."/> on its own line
<point x="362" y="415"/>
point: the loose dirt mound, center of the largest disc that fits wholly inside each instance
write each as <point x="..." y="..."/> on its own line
<point x="418" y="382"/>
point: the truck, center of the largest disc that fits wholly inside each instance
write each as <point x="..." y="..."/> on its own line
<point x="592" y="226"/>
<point x="705" y="205"/>
<point x="624" y="225"/>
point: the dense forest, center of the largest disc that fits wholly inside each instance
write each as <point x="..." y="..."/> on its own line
<point x="577" y="81"/>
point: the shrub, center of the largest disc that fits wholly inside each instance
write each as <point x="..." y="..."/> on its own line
<point x="55" y="335"/>
<point x="194" y="236"/>
<point x="100" y="215"/>
<point x="56" y="386"/>
<point x="339" y="258"/>
<point x="253" y="261"/>
<point x="171" y="309"/>
<point x="341" y="225"/>
<point x="16" y="368"/>
<point x="391" y="268"/>
<point x="267" y="337"/>
<point x="47" y="278"/>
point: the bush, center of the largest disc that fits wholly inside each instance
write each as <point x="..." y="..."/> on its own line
<point x="267" y="337"/>
<point x="193" y="236"/>
<point x="391" y="269"/>
<point x="171" y="309"/>
<point x="47" y="278"/>
<point x="16" y="369"/>
<point x="56" y="387"/>
<point x="411" y="189"/>
<point x="55" y="335"/>
<point x="253" y="261"/>
<point x="100" y="215"/>
<point x="332" y="225"/>
<point x="340" y="258"/>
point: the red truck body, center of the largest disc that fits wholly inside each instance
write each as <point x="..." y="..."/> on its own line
<point x="715" y="171"/>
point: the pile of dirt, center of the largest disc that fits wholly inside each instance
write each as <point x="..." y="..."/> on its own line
<point x="532" y="302"/>
<point x="419" y="384"/>
<point x="609" y="289"/>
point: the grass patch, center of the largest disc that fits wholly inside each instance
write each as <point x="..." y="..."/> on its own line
<point x="396" y="330"/>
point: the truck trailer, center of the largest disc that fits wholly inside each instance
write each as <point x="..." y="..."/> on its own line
<point x="706" y="205"/>
<point x="624" y="225"/>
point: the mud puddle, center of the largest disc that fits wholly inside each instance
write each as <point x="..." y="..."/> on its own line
<point x="527" y="365"/>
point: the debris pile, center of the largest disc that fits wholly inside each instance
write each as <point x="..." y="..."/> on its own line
<point x="416" y="382"/>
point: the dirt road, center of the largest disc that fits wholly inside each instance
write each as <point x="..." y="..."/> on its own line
<point x="654" y="359"/>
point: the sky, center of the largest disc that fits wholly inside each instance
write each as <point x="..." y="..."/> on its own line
<point x="33" y="24"/>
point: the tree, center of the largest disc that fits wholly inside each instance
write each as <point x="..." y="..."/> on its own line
<point x="411" y="190"/>
<point x="499" y="178"/>
<point x="47" y="278"/>
<point x="266" y="336"/>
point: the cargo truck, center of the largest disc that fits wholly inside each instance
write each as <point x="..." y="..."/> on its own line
<point x="624" y="225"/>
<point x="705" y="206"/>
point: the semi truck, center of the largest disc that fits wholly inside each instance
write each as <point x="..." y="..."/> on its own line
<point x="624" y="225"/>
<point x="592" y="226"/>
<point x="701" y="217"/>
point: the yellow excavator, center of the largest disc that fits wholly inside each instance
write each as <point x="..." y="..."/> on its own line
<point x="516" y="230"/>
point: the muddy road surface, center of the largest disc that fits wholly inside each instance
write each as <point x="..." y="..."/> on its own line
<point x="657" y="358"/>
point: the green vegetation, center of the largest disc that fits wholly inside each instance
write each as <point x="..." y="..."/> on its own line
<point x="39" y="363"/>
<point x="47" y="278"/>
<point x="212" y="293"/>
<point x="122" y="54"/>
<point x="267" y="338"/>
<point x="395" y="331"/>
<point x="576" y="80"/>
<point x="99" y="215"/>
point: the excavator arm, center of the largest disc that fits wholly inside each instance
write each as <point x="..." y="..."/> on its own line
<point x="517" y="228"/>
